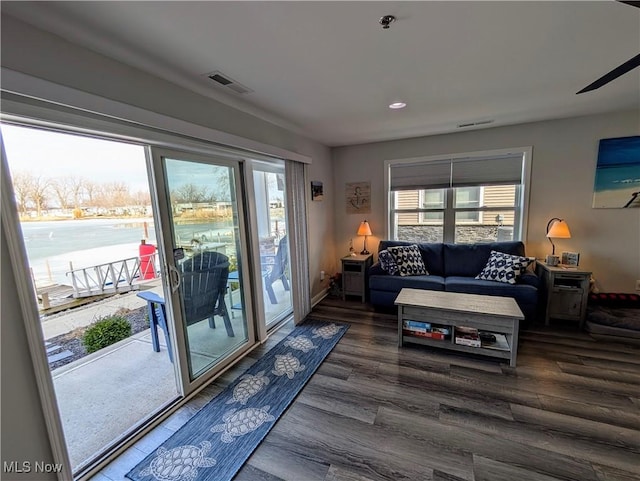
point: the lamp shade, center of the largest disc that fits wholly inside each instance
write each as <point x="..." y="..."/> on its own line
<point x="364" y="228"/>
<point x="559" y="230"/>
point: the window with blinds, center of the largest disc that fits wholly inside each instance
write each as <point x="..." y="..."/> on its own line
<point x="459" y="200"/>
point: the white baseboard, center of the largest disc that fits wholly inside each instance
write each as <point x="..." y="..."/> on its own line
<point x="318" y="297"/>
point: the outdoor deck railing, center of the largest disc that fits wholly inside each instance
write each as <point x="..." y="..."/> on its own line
<point x="110" y="278"/>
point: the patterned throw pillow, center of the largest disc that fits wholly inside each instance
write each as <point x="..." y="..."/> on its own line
<point x="409" y="260"/>
<point x="387" y="262"/>
<point x="503" y="267"/>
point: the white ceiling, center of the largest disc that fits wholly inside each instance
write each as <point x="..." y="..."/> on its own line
<point x="328" y="69"/>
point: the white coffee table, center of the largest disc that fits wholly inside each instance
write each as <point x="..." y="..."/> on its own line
<point x="497" y="315"/>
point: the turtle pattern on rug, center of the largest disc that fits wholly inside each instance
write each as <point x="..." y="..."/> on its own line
<point x="216" y="441"/>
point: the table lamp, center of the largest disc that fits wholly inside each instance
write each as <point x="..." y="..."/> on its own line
<point x="364" y="230"/>
<point x="557" y="228"/>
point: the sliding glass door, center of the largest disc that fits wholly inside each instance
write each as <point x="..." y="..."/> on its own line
<point x="204" y="239"/>
<point x="161" y="238"/>
<point x="270" y="213"/>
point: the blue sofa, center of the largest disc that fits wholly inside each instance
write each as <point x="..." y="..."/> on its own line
<point x="452" y="268"/>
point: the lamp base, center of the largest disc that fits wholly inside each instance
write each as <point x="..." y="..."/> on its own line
<point x="365" y="252"/>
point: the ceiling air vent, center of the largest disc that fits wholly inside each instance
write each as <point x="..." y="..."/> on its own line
<point x="473" y="124"/>
<point x="227" y="82"/>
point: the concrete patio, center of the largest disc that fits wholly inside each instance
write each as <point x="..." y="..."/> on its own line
<point x="104" y="395"/>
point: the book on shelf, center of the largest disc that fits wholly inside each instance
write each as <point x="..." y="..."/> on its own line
<point x="466" y="331"/>
<point x="438" y="336"/>
<point x="467" y="336"/>
<point x="465" y="341"/>
<point x="446" y="330"/>
<point x="417" y="324"/>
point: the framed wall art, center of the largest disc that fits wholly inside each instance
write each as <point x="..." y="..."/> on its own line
<point x="317" y="190"/>
<point x="358" y="197"/>
<point x="617" y="180"/>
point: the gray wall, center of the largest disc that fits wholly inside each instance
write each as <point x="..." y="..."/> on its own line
<point x="36" y="53"/>
<point x="24" y="434"/>
<point x="563" y="169"/>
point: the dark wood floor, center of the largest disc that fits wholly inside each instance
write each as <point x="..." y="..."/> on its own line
<point x="570" y="410"/>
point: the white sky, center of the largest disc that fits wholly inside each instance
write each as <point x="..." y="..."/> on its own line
<point x="53" y="154"/>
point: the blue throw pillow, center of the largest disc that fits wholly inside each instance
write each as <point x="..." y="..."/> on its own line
<point x="503" y="267"/>
<point x="409" y="260"/>
<point x="387" y="262"/>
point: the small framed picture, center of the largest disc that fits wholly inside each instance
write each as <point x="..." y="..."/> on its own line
<point x="317" y="192"/>
<point x="570" y="258"/>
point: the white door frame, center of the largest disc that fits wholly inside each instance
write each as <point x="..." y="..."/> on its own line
<point x="28" y="304"/>
<point x="161" y="203"/>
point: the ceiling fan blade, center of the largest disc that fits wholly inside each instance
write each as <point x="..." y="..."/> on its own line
<point x="633" y="4"/>
<point x="614" y="74"/>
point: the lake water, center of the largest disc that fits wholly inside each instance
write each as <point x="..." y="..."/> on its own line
<point x="52" y="245"/>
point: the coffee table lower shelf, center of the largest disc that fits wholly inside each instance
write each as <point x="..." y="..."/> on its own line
<point x="452" y="346"/>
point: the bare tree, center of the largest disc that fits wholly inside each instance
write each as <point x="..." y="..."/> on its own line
<point x="63" y="189"/>
<point x="222" y="189"/>
<point x="141" y="198"/>
<point x="38" y="192"/>
<point x="191" y="193"/>
<point x="112" y="194"/>
<point x="78" y="185"/>
<point x="22" y="188"/>
<point x="92" y="191"/>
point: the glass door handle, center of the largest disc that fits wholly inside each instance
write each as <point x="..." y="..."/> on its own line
<point x="174" y="278"/>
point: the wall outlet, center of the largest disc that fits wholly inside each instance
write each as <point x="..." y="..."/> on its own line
<point x="322" y="277"/>
<point x="638" y="285"/>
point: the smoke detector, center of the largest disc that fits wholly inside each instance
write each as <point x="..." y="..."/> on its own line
<point x="386" y="21"/>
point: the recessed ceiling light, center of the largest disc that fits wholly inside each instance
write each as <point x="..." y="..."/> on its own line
<point x="397" y="105"/>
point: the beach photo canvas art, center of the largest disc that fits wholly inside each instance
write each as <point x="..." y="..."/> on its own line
<point x="617" y="180"/>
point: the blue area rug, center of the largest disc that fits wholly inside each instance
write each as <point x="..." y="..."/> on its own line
<point x="215" y="443"/>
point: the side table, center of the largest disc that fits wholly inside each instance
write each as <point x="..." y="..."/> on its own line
<point x="565" y="291"/>
<point x="355" y="275"/>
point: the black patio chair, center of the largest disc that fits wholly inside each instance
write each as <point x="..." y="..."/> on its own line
<point x="277" y="270"/>
<point x="203" y="286"/>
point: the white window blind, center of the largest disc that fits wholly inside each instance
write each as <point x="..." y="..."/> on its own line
<point x="423" y="175"/>
<point x="457" y="173"/>
<point x="491" y="171"/>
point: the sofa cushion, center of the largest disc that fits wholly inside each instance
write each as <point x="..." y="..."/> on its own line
<point x="409" y="260"/>
<point x="529" y="278"/>
<point x="469" y="259"/>
<point x="431" y="254"/>
<point x="503" y="267"/>
<point x="396" y="283"/>
<point x="387" y="262"/>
